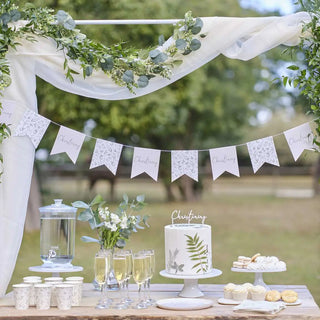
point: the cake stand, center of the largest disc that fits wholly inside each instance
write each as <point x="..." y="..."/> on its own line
<point x="56" y="270"/>
<point x="258" y="278"/>
<point x="191" y="288"/>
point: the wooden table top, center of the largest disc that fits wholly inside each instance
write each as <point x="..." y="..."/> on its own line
<point x="308" y="309"/>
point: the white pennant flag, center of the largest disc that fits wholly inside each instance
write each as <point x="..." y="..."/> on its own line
<point x="106" y="153"/>
<point x="145" y="160"/>
<point x="68" y="141"/>
<point x="184" y="162"/>
<point x="262" y="151"/>
<point x="8" y="107"/>
<point x="299" y="139"/>
<point x="224" y="159"/>
<point x="33" y="126"/>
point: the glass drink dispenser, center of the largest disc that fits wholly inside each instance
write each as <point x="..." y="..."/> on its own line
<point x="57" y="234"/>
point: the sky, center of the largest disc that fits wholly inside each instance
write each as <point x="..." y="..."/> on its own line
<point x="283" y="6"/>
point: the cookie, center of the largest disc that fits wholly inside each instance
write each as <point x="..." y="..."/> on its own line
<point x="255" y="256"/>
<point x="289" y="296"/>
<point x="273" y="295"/>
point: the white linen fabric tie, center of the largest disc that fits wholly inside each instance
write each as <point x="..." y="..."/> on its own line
<point x="236" y="38"/>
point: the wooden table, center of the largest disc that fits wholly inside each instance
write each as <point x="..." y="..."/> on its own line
<point x="307" y="310"/>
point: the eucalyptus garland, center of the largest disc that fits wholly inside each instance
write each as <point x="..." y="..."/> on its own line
<point x="127" y="67"/>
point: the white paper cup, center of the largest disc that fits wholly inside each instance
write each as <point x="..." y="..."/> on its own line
<point x="53" y="279"/>
<point x="53" y="302"/>
<point x="64" y="294"/>
<point x="43" y="295"/>
<point x="31" y="278"/>
<point x="77" y="292"/>
<point x="21" y="294"/>
<point x="80" y="279"/>
<point x="32" y="292"/>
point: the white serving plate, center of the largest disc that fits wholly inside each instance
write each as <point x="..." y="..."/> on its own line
<point x="184" y="304"/>
<point x="235" y="302"/>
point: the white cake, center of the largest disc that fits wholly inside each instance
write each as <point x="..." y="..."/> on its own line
<point x="188" y="249"/>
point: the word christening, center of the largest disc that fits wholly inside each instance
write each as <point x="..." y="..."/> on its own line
<point x="176" y="215"/>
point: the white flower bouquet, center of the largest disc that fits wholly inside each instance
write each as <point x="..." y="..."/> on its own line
<point x="113" y="228"/>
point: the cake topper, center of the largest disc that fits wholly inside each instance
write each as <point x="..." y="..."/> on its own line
<point x="176" y="215"/>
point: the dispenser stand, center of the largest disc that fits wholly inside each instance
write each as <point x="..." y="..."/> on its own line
<point x="56" y="270"/>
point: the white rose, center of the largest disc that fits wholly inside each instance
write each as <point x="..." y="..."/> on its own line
<point x="108" y="225"/>
<point x="123" y="224"/>
<point x="102" y="213"/>
<point x="114" y="218"/>
<point x="113" y="227"/>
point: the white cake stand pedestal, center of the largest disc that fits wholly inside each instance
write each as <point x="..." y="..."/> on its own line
<point x="56" y="270"/>
<point x="191" y="288"/>
<point x="258" y="275"/>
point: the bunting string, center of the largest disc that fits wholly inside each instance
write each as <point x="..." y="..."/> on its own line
<point x="146" y="160"/>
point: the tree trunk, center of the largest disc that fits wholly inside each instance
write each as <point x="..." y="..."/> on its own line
<point x="189" y="190"/>
<point x="33" y="216"/>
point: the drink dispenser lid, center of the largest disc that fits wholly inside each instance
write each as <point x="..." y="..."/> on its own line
<point x="58" y="206"/>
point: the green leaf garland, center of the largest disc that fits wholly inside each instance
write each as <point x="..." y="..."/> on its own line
<point x="130" y="67"/>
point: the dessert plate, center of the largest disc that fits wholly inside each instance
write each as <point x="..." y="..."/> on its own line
<point x="228" y="301"/>
<point x="184" y="304"/>
<point x="293" y="303"/>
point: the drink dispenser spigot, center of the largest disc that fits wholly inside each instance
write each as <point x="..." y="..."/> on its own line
<point x="57" y="234"/>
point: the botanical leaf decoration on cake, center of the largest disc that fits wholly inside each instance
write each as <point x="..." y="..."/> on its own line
<point x="172" y="263"/>
<point x="199" y="253"/>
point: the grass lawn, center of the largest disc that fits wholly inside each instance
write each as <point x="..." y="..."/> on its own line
<point x="246" y="217"/>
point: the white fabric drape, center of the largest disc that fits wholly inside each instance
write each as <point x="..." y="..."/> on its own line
<point x="236" y="38"/>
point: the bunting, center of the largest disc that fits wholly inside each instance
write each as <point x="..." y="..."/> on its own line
<point x="184" y="163"/>
<point x="68" y="141"/>
<point x="106" y="153"/>
<point x="262" y="151"/>
<point x="32" y="125"/>
<point x="145" y="160"/>
<point x="299" y="139"/>
<point x="7" y="111"/>
<point x="224" y="160"/>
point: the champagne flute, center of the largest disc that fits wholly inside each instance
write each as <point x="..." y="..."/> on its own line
<point x="100" y="272"/>
<point x="128" y="254"/>
<point x="139" y="273"/>
<point x="150" y="254"/>
<point x="120" y="272"/>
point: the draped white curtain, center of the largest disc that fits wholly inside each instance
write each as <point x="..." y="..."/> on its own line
<point x="236" y="38"/>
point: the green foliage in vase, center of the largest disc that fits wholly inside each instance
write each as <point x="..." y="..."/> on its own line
<point x="127" y="67"/>
<point x="199" y="253"/>
<point x="307" y="77"/>
<point x="113" y="228"/>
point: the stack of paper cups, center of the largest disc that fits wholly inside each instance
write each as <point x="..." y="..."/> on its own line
<point x="53" y="281"/>
<point x="32" y="282"/>
<point x="77" y="283"/>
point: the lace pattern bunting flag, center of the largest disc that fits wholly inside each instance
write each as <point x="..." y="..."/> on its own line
<point x="224" y="159"/>
<point x="184" y="162"/>
<point x="299" y="139"/>
<point x="106" y="153"/>
<point x="7" y="111"/>
<point x="68" y="141"/>
<point x="33" y="126"/>
<point x="145" y="160"/>
<point x="262" y="151"/>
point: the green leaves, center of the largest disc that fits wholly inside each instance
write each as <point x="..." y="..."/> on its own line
<point x="89" y="239"/>
<point x="128" y="76"/>
<point x="199" y="253"/>
<point x="64" y="19"/>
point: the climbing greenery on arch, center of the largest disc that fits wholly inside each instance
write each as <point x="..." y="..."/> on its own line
<point x="307" y="78"/>
<point x="127" y="67"/>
